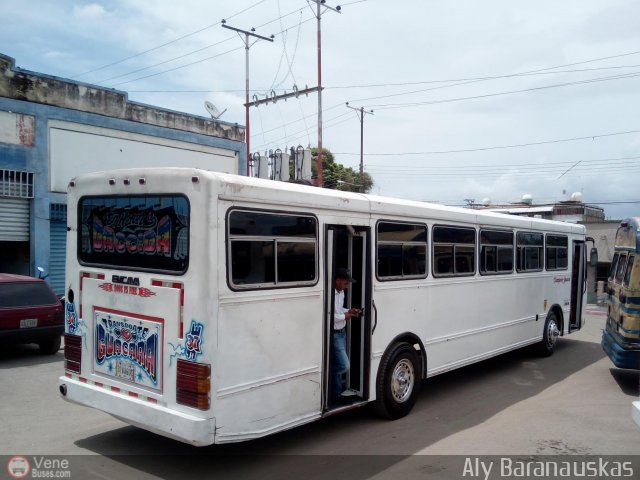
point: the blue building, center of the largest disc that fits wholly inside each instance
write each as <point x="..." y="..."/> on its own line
<point x="53" y="129"/>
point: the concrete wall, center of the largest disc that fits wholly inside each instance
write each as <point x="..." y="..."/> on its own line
<point x="49" y="90"/>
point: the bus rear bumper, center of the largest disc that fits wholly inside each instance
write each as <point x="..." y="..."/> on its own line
<point x="140" y="413"/>
<point x="621" y="357"/>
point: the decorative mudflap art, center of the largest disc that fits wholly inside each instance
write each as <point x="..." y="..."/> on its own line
<point x="192" y="346"/>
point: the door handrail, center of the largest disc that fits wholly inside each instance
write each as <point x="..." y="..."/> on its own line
<point x="375" y="316"/>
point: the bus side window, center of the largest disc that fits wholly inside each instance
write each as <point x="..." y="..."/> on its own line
<point x="401" y="250"/>
<point x="496" y="252"/>
<point x="557" y="251"/>
<point x="270" y="249"/>
<point x="627" y="274"/>
<point x="454" y="251"/>
<point x="622" y="263"/>
<point x="530" y="251"/>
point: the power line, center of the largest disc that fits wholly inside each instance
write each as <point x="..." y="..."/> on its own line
<point x="387" y="106"/>
<point x="610" y="161"/>
<point x="179" y="67"/>
<point x="488" y="95"/>
<point x="497" y="147"/>
<point x="166" y="43"/>
<point x="615" y="202"/>
<point x="306" y="130"/>
<point x="286" y="54"/>
<point x="299" y="120"/>
<point x="627" y="166"/>
<point x="509" y="146"/>
<point x="482" y="79"/>
<point x="196" y="62"/>
<point x="165" y="61"/>
<point x="191" y="52"/>
<point x="530" y="72"/>
<point x="493" y="77"/>
<point x="336" y="87"/>
<point x="593" y="171"/>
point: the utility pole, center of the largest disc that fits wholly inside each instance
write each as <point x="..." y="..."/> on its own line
<point x="318" y="14"/>
<point x="361" y="113"/>
<point x="246" y="48"/>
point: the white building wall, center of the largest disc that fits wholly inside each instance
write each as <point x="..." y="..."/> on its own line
<point x="76" y="149"/>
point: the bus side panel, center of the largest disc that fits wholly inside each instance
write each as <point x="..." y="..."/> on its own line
<point x="268" y="374"/>
<point x="465" y="320"/>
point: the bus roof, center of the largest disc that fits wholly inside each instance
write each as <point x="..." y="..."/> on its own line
<point x="289" y="194"/>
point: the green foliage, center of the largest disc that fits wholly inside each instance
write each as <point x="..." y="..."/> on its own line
<point x="338" y="177"/>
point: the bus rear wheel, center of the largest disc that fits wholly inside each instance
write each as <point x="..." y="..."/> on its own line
<point x="398" y="382"/>
<point x="550" y="334"/>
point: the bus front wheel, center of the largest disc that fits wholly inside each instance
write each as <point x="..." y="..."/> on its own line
<point x="398" y="382"/>
<point x="550" y="334"/>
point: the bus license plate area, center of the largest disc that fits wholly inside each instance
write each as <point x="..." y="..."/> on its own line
<point x="128" y="347"/>
<point x="125" y="370"/>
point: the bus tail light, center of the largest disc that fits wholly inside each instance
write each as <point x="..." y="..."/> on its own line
<point x="72" y="352"/>
<point x="193" y="384"/>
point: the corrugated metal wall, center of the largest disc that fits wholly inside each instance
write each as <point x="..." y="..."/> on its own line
<point x="58" y="247"/>
<point x="14" y="219"/>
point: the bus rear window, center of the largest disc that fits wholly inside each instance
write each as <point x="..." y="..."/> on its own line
<point x="135" y="232"/>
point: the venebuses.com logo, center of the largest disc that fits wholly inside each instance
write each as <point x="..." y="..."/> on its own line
<point x="18" y="467"/>
<point x="38" y="467"/>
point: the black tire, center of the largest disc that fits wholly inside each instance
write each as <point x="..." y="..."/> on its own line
<point x="398" y="381"/>
<point x="50" y="346"/>
<point x="547" y="345"/>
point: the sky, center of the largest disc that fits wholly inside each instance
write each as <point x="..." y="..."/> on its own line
<point x="472" y="101"/>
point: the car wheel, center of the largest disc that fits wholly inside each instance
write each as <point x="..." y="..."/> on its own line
<point x="50" y="346"/>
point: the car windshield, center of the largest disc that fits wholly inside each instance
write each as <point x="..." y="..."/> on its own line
<point x="25" y="294"/>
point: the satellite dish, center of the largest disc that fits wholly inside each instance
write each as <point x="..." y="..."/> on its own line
<point x="213" y="110"/>
<point x="576" y="197"/>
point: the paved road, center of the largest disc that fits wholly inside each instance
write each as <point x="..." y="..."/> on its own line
<point x="574" y="402"/>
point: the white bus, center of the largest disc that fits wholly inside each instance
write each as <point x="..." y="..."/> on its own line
<point x="199" y="304"/>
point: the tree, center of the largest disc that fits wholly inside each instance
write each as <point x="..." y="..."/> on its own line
<point x="338" y="177"/>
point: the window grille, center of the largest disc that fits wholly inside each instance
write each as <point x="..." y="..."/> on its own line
<point x="16" y="183"/>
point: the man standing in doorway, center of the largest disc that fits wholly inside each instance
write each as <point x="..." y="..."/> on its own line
<point x="340" y="317"/>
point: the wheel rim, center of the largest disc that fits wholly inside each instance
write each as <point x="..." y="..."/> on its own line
<point x="552" y="333"/>
<point x="402" y="380"/>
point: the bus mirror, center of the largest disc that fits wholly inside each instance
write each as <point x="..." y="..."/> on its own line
<point x="593" y="259"/>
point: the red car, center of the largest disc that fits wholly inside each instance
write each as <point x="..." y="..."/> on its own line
<point x="30" y="313"/>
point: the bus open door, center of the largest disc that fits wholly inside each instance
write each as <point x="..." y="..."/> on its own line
<point x="347" y="247"/>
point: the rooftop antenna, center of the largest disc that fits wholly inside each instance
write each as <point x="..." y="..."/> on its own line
<point x="213" y="110"/>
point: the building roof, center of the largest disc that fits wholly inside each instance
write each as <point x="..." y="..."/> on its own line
<point x="29" y="86"/>
<point x="543" y="209"/>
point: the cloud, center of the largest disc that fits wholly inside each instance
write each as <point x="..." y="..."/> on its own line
<point x="90" y="11"/>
